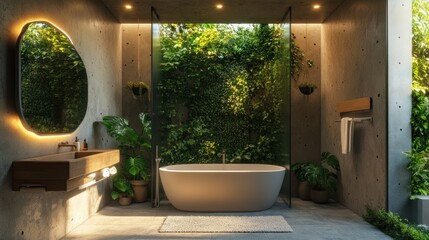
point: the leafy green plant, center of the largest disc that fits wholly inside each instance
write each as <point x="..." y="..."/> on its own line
<point x="133" y="144"/>
<point x="223" y="90"/>
<point x="132" y="85"/>
<point x="419" y="171"/>
<point x="137" y="88"/>
<point x="322" y="176"/>
<point x="330" y="160"/>
<point x="261" y="152"/>
<point x="297" y="57"/>
<point x="418" y="165"/>
<point x="394" y="226"/>
<point x="300" y="170"/>
<point x="419" y="119"/>
<point x="136" y="167"/>
<point x="310" y="63"/>
<point x="126" y="136"/>
<point x="190" y="143"/>
<point x="420" y="42"/>
<point x="121" y="187"/>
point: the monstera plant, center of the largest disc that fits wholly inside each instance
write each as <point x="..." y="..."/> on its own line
<point x="323" y="177"/>
<point x="134" y="146"/>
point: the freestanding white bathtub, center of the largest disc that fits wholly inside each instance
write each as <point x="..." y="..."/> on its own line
<point x="222" y="187"/>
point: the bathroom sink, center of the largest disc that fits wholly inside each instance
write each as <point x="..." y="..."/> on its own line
<point x="62" y="171"/>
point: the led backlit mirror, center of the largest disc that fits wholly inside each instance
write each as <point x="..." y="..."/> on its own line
<point x="53" y="85"/>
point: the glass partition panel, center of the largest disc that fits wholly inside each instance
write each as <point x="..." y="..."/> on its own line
<point x="285" y="109"/>
<point x="224" y="90"/>
<point x="156" y="64"/>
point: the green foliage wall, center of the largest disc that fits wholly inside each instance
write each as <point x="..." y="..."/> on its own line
<point x="222" y="89"/>
<point x="395" y="226"/>
<point x="420" y="43"/>
<point x="419" y="165"/>
<point x="420" y="112"/>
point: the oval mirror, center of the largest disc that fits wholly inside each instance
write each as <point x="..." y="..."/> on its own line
<point x="53" y="85"/>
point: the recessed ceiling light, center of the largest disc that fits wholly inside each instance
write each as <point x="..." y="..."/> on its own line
<point x="219" y="6"/>
<point x="316" y="6"/>
<point x="128" y="6"/>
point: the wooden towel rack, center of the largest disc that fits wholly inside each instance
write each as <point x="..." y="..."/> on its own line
<point x="358" y="104"/>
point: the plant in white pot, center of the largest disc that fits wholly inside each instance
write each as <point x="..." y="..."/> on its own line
<point x="133" y="145"/>
<point x="323" y="177"/>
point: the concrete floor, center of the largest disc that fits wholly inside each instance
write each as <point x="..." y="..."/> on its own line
<point x="308" y="221"/>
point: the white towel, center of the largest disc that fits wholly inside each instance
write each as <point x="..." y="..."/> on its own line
<point x="346" y="134"/>
<point x="351" y="131"/>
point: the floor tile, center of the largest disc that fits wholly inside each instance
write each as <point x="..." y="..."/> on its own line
<point x="308" y="221"/>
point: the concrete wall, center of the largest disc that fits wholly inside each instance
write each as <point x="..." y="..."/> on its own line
<point x="136" y="47"/>
<point x="34" y="213"/>
<point x="399" y="107"/>
<point x="305" y="120"/>
<point x="354" y="65"/>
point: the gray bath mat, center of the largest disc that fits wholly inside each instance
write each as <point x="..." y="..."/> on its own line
<point x="228" y="224"/>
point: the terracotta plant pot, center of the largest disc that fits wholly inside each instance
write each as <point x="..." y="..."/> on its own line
<point x="140" y="189"/>
<point x="319" y="196"/>
<point x="304" y="189"/>
<point x="124" y="201"/>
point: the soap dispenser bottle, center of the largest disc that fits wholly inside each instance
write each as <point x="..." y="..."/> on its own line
<point x="84" y="145"/>
<point x="77" y="144"/>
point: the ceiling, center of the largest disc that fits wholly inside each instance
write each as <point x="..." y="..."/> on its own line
<point x="233" y="11"/>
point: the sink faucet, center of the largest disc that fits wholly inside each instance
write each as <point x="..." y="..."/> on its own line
<point x="67" y="144"/>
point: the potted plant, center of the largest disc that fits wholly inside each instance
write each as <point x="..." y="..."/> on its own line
<point x="122" y="190"/>
<point x="323" y="178"/>
<point x="135" y="166"/>
<point x="133" y="145"/>
<point x="304" y="187"/>
<point x="137" y="88"/>
<point x="307" y="88"/>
